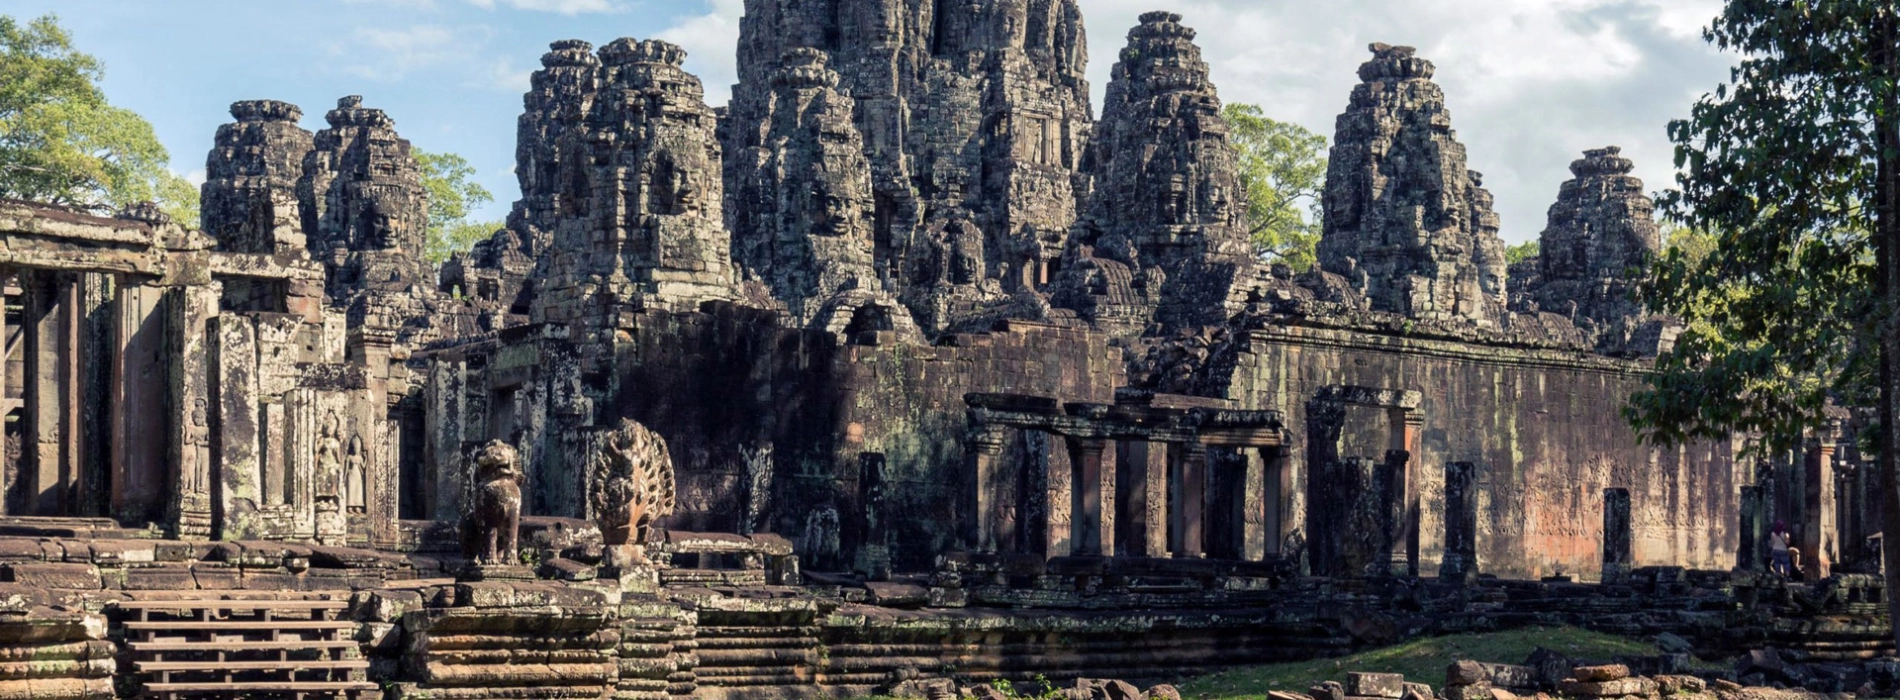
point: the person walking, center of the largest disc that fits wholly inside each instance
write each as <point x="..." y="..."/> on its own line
<point x="1780" y="560"/>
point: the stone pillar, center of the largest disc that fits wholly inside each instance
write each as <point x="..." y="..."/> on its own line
<point x="1407" y="425"/>
<point x="984" y="449"/>
<point x="1460" y="561"/>
<point x="1141" y="499"/>
<point x="1189" y="502"/>
<point x="1280" y="520"/>
<point x="1817" y="536"/>
<point x="45" y="296"/>
<point x="1618" y="556"/>
<point x="187" y="324"/>
<point x="238" y="469"/>
<point x="1085" y="461"/>
<point x="6" y="403"/>
<point x="139" y="402"/>
<point x="1252" y="505"/>
<point x="1748" y="552"/>
<point x="1058" y="501"/>
<point x="1399" y="513"/>
<point x="371" y="346"/>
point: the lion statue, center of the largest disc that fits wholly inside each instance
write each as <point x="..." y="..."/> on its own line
<point x="631" y="486"/>
<point x="493" y="518"/>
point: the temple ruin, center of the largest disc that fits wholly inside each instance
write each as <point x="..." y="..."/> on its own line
<point x="900" y="367"/>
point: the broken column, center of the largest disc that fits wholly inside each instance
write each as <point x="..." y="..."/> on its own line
<point x="1618" y="554"/>
<point x="1460" y="561"/>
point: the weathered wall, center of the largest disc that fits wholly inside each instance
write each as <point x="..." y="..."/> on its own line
<point x="1544" y="429"/>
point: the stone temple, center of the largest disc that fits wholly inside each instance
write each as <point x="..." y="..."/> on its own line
<point x="902" y="370"/>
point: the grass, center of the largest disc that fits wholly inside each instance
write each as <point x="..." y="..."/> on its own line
<point x="1421" y="660"/>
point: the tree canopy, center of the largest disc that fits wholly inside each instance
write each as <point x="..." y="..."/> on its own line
<point x="1283" y="169"/>
<point x="62" y="142"/>
<point x="1773" y="264"/>
<point x="1514" y="254"/>
<point x="452" y="198"/>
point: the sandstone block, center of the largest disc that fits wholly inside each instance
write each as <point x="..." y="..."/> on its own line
<point x="1597" y="674"/>
<point x="1611" y="688"/>
<point x="55" y="575"/>
<point x="1375" y="685"/>
<point x="1465" y="673"/>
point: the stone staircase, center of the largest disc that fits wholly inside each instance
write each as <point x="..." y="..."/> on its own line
<point x="212" y="646"/>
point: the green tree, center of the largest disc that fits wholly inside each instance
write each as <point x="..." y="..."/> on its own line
<point x="62" y="143"/>
<point x="1283" y="170"/>
<point x="1514" y="254"/>
<point x="452" y="197"/>
<point x="1797" y="165"/>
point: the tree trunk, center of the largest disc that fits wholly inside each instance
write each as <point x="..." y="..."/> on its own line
<point x="1886" y="117"/>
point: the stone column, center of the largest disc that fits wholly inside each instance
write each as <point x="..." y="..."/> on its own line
<point x="984" y="449"/>
<point x="372" y="346"/>
<point x="1253" y="505"/>
<point x="238" y="471"/>
<point x="6" y="405"/>
<point x="1460" y="561"/>
<point x="187" y="322"/>
<point x="1058" y="502"/>
<point x="1141" y="499"/>
<point x="1407" y="426"/>
<point x="1189" y="503"/>
<point x="1618" y="556"/>
<point x="1399" y="513"/>
<point x="43" y="300"/>
<point x="1085" y="510"/>
<point x="1748" y="553"/>
<point x="1817" y="534"/>
<point x="139" y="403"/>
<point x="1279" y="500"/>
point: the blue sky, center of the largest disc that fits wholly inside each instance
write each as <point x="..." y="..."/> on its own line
<point x="1530" y="83"/>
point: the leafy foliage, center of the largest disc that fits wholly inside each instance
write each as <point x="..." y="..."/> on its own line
<point x="1774" y="267"/>
<point x="451" y="198"/>
<point x="1283" y="169"/>
<point x="62" y="143"/>
<point x="1521" y="252"/>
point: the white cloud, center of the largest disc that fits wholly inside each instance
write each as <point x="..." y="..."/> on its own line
<point x="565" y="7"/>
<point x="459" y="52"/>
<point x="195" y="177"/>
<point x="1529" y="83"/>
<point x="711" y="41"/>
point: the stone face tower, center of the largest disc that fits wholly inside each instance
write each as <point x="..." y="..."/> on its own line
<point x="799" y="198"/>
<point x="1406" y="222"/>
<point x="1163" y="239"/>
<point x="1601" y="228"/>
<point x="649" y="232"/>
<point x="250" y="192"/>
<point x="364" y="209"/>
<point x="554" y="108"/>
<point x="1164" y="171"/>
<point x="973" y="115"/>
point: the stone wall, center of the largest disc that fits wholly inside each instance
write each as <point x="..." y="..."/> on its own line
<point x="1543" y="427"/>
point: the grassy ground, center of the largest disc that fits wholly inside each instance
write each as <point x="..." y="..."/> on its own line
<point x="1422" y="660"/>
